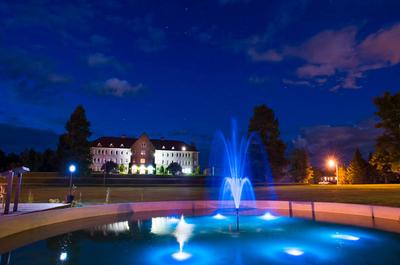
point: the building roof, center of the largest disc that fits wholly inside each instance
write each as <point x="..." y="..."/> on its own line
<point x="126" y="142"/>
<point x="162" y="144"/>
<point x="115" y="142"/>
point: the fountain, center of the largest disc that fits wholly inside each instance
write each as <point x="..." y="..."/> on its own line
<point x="182" y="233"/>
<point x="235" y="170"/>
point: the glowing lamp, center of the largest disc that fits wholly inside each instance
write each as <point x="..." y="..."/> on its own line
<point x="331" y="163"/>
<point x="63" y="256"/>
<point x="72" y="168"/>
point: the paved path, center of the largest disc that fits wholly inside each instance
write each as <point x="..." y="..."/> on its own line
<point x="24" y="208"/>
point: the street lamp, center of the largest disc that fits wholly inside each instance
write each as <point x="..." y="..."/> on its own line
<point x="72" y="169"/>
<point x="332" y="163"/>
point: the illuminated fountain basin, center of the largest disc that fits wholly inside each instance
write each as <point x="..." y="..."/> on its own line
<point x="265" y="238"/>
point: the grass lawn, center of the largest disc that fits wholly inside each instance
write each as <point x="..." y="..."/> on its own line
<point x="382" y="194"/>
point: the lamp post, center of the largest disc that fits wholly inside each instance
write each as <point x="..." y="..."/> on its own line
<point x="71" y="169"/>
<point x="332" y="163"/>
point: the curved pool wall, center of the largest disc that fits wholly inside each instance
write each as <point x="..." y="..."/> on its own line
<point x="16" y="231"/>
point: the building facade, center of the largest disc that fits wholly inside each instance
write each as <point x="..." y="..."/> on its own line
<point x="143" y="155"/>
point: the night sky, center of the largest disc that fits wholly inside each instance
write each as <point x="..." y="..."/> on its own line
<point x="183" y="69"/>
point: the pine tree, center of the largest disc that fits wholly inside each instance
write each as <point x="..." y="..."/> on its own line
<point x="266" y="125"/>
<point x="387" y="154"/>
<point x="74" y="146"/>
<point x="357" y="170"/>
<point x="342" y="175"/>
<point x="300" y="169"/>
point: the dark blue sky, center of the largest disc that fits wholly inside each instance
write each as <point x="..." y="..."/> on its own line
<point x="183" y="69"/>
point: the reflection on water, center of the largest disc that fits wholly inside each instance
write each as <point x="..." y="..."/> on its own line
<point x="114" y="228"/>
<point x="163" y="225"/>
<point x="206" y="240"/>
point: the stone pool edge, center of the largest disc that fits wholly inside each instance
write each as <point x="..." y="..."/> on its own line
<point x="10" y="225"/>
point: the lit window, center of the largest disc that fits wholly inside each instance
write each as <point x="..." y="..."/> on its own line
<point x="163" y="147"/>
<point x="173" y="148"/>
<point x="142" y="161"/>
<point x="142" y="152"/>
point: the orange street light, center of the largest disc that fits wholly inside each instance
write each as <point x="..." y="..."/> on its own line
<point x="332" y="163"/>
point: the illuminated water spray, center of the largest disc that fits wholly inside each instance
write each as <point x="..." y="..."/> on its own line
<point x="183" y="232"/>
<point x="236" y="184"/>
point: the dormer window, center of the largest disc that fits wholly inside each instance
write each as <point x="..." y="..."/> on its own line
<point x="122" y="145"/>
<point x="99" y="144"/>
<point x="163" y="147"/>
<point x="183" y="148"/>
<point x="173" y="148"/>
<point x="111" y="145"/>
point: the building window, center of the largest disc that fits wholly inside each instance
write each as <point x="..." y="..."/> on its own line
<point x="142" y="152"/>
<point x="143" y="145"/>
<point x="142" y="161"/>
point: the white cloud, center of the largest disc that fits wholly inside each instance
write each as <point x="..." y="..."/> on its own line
<point x="119" y="88"/>
<point x="339" y="55"/>
<point x="99" y="59"/>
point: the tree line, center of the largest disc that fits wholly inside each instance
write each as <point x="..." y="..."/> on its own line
<point x="73" y="147"/>
<point x="382" y="166"/>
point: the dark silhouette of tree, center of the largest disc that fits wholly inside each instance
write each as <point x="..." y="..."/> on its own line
<point x="49" y="161"/>
<point x="3" y="161"/>
<point x="266" y="125"/>
<point x="381" y="162"/>
<point x="174" y="168"/>
<point x="12" y="161"/>
<point x="387" y="154"/>
<point x="31" y="159"/>
<point x="357" y="170"/>
<point x="300" y="169"/>
<point x="74" y="146"/>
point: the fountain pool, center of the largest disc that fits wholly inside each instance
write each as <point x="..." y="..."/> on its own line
<point x="263" y="239"/>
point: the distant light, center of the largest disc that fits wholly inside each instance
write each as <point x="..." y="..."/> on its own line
<point x="63" y="256"/>
<point x="294" y="251"/>
<point x="142" y="169"/>
<point x="183" y="148"/>
<point x="219" y="216"/>
<point x="180" y="256"/>
<point x="268" y="216"/>
<point x="72" y="168"/>
<point x="346" y="237"/>
<point x="331" y="162"/>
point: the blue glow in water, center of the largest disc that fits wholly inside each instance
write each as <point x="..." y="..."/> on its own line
<point x="269" y="217"/>
<point x="219" y="216"/>
<point x="346" y="237"/>
<point x="210" y="241"/>
<point x="294" y="251"/>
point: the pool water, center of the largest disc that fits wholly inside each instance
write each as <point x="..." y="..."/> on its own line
<point x="266" y="239"/>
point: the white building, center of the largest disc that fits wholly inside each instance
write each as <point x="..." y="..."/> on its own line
<point x="143" y="155"/>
